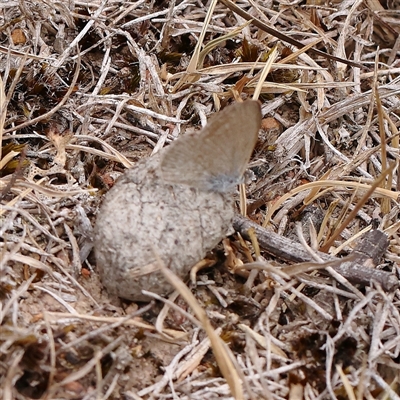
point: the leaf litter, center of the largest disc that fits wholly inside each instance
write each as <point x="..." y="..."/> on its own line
<point x="88" y="89"/>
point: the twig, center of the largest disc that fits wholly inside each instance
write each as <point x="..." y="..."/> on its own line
<point x="279" y="35"/>
<point x="350" y="267"/>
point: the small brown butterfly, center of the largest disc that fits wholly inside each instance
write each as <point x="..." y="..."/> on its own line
<point x="216" y="158"/>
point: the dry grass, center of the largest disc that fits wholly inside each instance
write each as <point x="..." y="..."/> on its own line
<point x="87" y="89"/>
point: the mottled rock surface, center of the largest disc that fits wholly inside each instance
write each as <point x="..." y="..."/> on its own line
<point x="142" y="215"/>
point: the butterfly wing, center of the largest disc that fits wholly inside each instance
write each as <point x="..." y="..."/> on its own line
<point x="216" y="158"/>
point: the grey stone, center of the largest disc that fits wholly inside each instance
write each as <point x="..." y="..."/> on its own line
<point x="142" y="215"/>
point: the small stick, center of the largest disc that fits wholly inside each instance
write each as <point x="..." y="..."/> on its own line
<point x="264" y="27"/>
<point x="353" y="267"/>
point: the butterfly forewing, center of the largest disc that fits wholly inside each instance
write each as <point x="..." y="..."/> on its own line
<point x="217" y="154"/>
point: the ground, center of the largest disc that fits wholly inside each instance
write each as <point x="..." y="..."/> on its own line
<point x="89" y="88"/>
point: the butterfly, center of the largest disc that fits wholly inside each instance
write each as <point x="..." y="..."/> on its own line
<point x="216" y="158"/>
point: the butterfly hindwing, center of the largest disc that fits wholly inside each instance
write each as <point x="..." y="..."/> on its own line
<point x="218" y="154"/>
